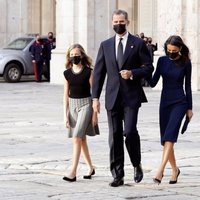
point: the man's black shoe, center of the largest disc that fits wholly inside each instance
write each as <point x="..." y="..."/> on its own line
<point x="138" y="173"/>
<point x="117" y="182"/>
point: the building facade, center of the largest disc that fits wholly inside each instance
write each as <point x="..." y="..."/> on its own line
<point x="20" y="17"/>
<point x="88" y="22"/>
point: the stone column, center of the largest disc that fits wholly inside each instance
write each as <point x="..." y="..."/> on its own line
<point x="191" y="29"/>
<point x="128" y="6"/>
<point x="64" y="37"/>
<point x="13" y="21"/>
<point x="34" y="16"/>
<point x="169" y="16"/>
<point x="180" y="17"/>
<point x="87" y="22"/>
<point x="3" y="23"/>
<point x="146" y="17"/>
<point x="47" y="16"/>
<point x="41" y="16"/>
<point x="168" y="23"/>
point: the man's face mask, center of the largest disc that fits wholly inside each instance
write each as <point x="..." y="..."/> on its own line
<point x="50" y="37"/>
<point x="119" y="28"/>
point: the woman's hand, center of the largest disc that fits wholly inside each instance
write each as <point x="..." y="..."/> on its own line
<point x="189" y="114"/>
<point x="94" y="119"/>
<point x="96" y="105"/>
<point x="67" y="121"/>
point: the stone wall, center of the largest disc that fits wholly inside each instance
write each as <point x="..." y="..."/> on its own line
<point x="13" y="20"/>
<point x="87" y="22"/>
<point x="19" y="17"/>
<point x="181" y="17"/>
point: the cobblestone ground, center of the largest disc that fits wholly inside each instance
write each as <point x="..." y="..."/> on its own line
<point x="35" y="153"/>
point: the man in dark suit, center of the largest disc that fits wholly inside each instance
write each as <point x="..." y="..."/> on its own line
<point x="37" y="52"/>
<point x="125" y="60"/>
<point x="48" y="46"/>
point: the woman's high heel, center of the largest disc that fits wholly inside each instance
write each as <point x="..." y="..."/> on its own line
<point x="174" y="182"/>
<point x="90" y="175"/>
<point x="156" y="180"/>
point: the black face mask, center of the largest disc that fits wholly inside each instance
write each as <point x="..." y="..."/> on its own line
<point x="39" y="40"/>
<point x="50" y="37"/>
<point x="119" y="28"/>
<point x="75" y="59"/>
<point x="173" y="55"/>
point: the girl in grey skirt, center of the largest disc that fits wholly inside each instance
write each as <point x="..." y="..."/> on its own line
<point x="80" y="118"/>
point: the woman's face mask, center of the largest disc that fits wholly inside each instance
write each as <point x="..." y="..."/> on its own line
<point x="173" y="51"/>
<point x="173" y="55"/>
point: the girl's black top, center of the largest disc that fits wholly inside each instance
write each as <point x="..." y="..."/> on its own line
<point x="79" y="86"/>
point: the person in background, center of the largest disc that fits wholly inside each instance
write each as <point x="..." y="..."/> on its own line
<point x="145" y="40"/>
<point x="176" y="100"/>
<point x="37" y="54"/>
<point x="79" y="116"/>
<point x="151" y="47"/>
<point x="141" y="35"/>
<point x="137" y="35"/>
<point x="125" y="60"/>
<point x="48" y="46"/>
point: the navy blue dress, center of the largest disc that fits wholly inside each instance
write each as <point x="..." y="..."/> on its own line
<point x="175" y="98"/>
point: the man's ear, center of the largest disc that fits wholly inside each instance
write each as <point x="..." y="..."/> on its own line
<point x="128" y="22"/>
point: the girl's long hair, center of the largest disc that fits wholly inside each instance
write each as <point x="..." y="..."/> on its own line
<point x="85" y="59"/>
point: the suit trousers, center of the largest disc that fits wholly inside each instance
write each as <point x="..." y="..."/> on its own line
<point x="38" y="67"/>
<point x="122" y="122"/>
<point x="47" y="63"/>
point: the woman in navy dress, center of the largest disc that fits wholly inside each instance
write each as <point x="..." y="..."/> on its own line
<point x="176" y="99"/>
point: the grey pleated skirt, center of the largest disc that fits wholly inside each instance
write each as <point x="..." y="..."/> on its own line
<point x="80" y="118"/>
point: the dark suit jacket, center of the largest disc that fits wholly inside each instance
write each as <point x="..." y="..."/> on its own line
<point x="48" y="46"/>
<point x="136" y="58"/>
<point x="37" y="52"/>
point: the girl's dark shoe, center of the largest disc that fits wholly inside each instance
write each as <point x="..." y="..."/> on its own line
<point x="90" y="175"/>
<point x="174" y="182"/>
<point x="158" y="181"/>
<point x="65" y="178"/>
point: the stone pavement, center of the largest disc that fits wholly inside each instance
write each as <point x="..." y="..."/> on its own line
<point x="35" y="153"/>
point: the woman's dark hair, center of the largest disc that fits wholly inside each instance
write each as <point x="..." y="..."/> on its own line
<point x="85" y="59"/>
<point x="178" y="42"/>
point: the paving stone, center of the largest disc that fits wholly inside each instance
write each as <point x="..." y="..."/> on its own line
<point x="35" y="153"/>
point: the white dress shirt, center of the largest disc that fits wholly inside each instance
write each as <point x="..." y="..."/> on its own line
<point x="124" y="41"/>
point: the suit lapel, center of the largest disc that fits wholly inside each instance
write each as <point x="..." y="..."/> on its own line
<point x="111" y="50"/>
<point x="129" y="47"/>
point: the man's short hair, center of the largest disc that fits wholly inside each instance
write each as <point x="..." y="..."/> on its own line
<point x="120" y="12"/>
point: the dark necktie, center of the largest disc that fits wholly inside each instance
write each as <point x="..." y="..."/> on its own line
<point x="120" y="53"/>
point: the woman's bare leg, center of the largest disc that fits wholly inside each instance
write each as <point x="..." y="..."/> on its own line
<point x="86" y="155"/>
<point x="167" y="153"/>
<point x="77" y="142"/>
<point x="172" y="161"/>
